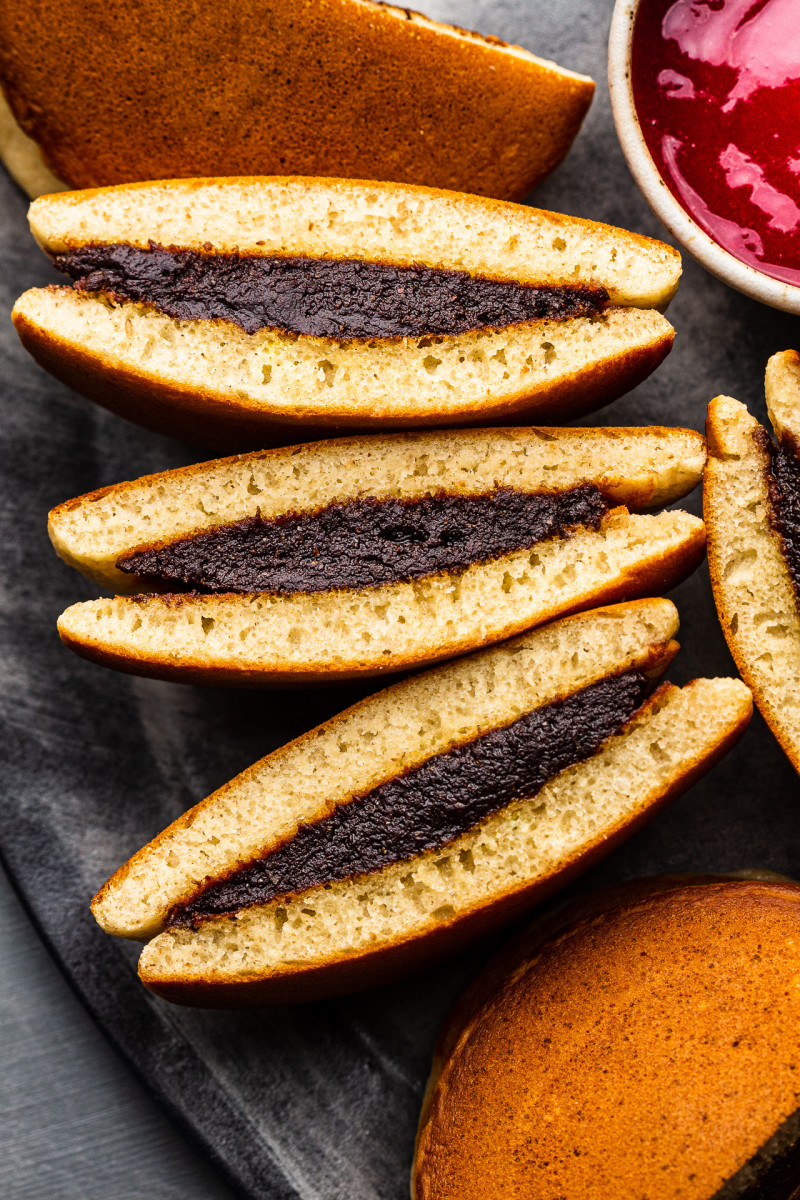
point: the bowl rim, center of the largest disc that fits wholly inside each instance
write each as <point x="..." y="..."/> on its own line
<point x="682" y="226"/>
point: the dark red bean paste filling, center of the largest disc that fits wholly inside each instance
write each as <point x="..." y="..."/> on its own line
<point x="783" y="483"/>
<point x="365" y="543"/>
<point x="321" y="297"/>
<point x="429" y="806"/>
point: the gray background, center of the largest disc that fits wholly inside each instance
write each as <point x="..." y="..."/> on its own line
<point x="324" y="1096"/>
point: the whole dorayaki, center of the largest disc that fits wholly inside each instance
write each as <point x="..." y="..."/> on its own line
<point x="103" y="91"/>
<point x="643" y="1047"/>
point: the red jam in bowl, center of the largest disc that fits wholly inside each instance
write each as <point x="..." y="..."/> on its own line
<point x="716" y="84"/>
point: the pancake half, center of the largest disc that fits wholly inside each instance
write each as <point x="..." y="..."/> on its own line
<point x="23" y="158"/>
<point x="751" y="498"/>
<point x="369" y="555"/>
<point x="648" y="1048"/>
<point x="108" y="93"/>
<point x="422" y="817"/>
<point x="230" y="312"/>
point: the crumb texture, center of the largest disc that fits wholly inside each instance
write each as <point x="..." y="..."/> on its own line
<point x="641" y="468"/>
<point x="782" y="386"/>
<point x="429" y="807"/>
<point x="754" y="594"/>
<point x="393" y="626"/>
<point x="333" y="218"/>
<point x="392" y="382"/>
<point x="394" y="731"/>
<point x="524" y="843"/>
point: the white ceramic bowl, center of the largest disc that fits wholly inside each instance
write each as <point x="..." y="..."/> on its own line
<point x="690" y="235"/>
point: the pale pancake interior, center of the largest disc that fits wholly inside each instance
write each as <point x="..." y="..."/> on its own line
<point x="641" y="468"/>
<point x="389" y="733"/>
<point x="527" y="841"/>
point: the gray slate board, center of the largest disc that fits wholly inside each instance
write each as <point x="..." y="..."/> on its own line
<point x="318" y="1102"/>
<point x="74" y="1122"/>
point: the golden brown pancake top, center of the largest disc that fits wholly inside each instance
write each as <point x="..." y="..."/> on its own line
<point x="115" y="92"/>
<point x="647" y="1052"/>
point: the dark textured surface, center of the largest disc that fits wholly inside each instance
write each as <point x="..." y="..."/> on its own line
<point x="431" y="805"/>
<point x="336" y="298"/>
<point x="364" y="543"/>
<point x="76" y="1125"/>
<point x="318" y="1102"/>
<point x="783" y="481"/>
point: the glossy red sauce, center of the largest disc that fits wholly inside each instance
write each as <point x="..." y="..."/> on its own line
<point x="716" y="84"/>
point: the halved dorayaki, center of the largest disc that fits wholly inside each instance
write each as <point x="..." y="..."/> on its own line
<point x="644" y="1043"/>
<point x="233" y="311"/>
<point x="751" y="497"/>
<point x="108" y="92"/>
<point x="371" y="555"/>
<point x="423" y="816"/>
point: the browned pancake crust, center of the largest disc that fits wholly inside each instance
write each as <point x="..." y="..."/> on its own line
<point x="427" y="807"/>
<point x="350" y="973"/>
<point x="650" y="1050"/>
<point x="718" y="518"/>
<point x="653" y="578"/>
<point x="209" y="417"/>
<point x="114" y="92"/>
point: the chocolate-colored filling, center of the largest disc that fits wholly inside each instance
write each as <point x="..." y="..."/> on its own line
<point x="322" y="297"/>
<point x="783" y="482"/>
<point x="366" y="543"/>
<point x="429" y="806"/>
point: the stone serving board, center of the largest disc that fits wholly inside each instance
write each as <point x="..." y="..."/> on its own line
<point x="321" y="1101"/>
